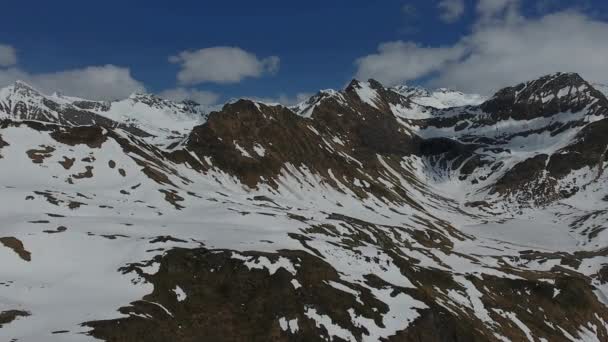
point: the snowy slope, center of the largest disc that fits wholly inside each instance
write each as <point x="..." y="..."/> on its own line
<point x="166" y="122"/>
<point x="439" y="98"/>
<point x="24" y="102"/>
<point x="162" y="118"/>
<point x="366" y="217"/>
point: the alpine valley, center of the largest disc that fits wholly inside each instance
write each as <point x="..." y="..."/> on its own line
<point x="364" y="214"/>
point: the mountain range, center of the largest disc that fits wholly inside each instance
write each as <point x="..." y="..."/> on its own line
<point x="369" y="213"/>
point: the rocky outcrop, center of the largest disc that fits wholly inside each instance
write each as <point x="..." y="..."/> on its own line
<point x="546" y="96"/>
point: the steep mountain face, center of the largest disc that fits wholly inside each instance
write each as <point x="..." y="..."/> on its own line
<point x="545" y="97"/>
<point x="358" y="215"/>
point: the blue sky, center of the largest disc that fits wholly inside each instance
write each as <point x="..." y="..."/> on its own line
<point x="317" y="42"/>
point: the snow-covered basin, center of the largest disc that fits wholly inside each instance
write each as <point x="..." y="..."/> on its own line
<point x="539" y="233"/>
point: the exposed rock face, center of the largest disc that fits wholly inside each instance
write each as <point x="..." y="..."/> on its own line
<point x="545" y="97"/>
<point x="588" y="150"/>
<point x="359" y="215"/>
<point x="254" y="141"/>
<point x="360" y="123"/>
<point x="439" y="98"/>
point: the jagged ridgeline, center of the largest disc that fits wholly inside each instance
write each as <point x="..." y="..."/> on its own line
<point x="365" y="214"/>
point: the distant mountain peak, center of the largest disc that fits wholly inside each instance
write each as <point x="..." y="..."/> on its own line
<point x="191" y="103"/>
<point x="147" y="98"/>
<point x="440" y="98"/>
<point x="544" y="96"/>
<point x="543" y="85"/>
<point x="357" y="84"/>
<point x="21" y="87"/>
<point x="22" y="84"/>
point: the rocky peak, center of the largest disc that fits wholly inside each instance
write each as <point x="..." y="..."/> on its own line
<point x="22" y="101"/>
<point x="372" y="97"/>
<point x="154" y="101"/>
<point x="543" y="97"/>
<point x="307" y="107"/>
<point x="148" y="99"/>
<point x="22" y="90"/>
<point x="370" y="86"/>
<point x="439" y="98"/>
<point x="410" y="91"/>
<point x="195" y="108"/>
<point x="254" y="141"/>
<point x="22" y="85"/>
<point x="191" y="103"/>
<point x="247" y="107"/>
<point x="375" y="84"/>
<point x="366" y="91"/>
<point x="352" y="85"/>
<point x="546" y="87"/>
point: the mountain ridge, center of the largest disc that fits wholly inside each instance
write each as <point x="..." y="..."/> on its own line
<point x="372" y="217"/>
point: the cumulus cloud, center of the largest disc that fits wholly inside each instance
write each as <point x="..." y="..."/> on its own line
<point x="205" y="98"/>
<point x="222" y="64"/>
<point x="503" y="48"/>
<point x="451" y="10"/>
<point x="399" y="61"/>
<point x="502" y="55"/>
<point x="106" y="82"/>
<point x="8" y="55"/>
<point x="283" y="99"/>
<point x="287" y="100"/>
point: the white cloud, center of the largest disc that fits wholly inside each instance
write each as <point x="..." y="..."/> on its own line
<point x="283" y="99"/>
<point x="205" y="98"/>
<point x="106" y="82"/>
<point x="503" y="48"/>
<point x="400" y="61"/>
<point x="451" y="10"/>
<point x="222" y="64"/>
<point x="10" y="75"/>
<point x="512" y="52"/>
<point x="8" y="55"/>
<point x="293" y="100"/>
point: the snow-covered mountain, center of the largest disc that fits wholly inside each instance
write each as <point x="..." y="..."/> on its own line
<point x="164" y="122"/>
<point x="439" y="98"/>
<point x="358" y="215"/>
